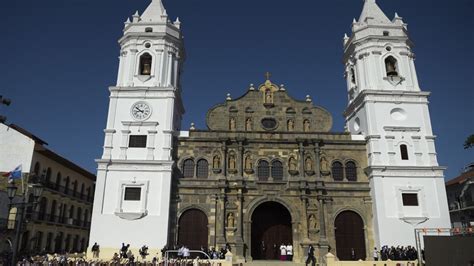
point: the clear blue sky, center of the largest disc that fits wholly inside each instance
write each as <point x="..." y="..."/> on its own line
<point x="59" y="57"/>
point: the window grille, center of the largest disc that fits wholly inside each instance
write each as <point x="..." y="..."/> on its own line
<point x="351" y="171"/>
<point x="263" y="171"/>
<point x="277" y="170"/>
<point x="188" y="169"/>
<point x="337" y="171"/>
<point x="202" y="169"/>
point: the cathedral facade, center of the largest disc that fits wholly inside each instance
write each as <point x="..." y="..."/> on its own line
<point x="268" y="170"/>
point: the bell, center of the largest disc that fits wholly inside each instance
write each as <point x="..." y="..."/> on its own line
<point x="391" y="70"/>
<point x="146" y="69"/>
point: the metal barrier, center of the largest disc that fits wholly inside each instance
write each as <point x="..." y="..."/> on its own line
<point x="176" y="251"/>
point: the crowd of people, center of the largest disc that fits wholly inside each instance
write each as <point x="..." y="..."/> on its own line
<point x="184" y="252"/>
<point x="396" y="253"/>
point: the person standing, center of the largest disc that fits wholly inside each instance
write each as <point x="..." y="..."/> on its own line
<point x="376" y="254"/>
<point x="282" y="252"/>
<point x="311" y="259"/>
<point x="95" y="250"/>
<point x="263" y="249"/>
<point x="353" y="254"/>
<point x="289" y="252"/>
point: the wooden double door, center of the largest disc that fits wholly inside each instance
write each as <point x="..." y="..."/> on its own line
<point x="271" y="227"/>
<point x="350" y="236"/>
<point x="193" y="229"/>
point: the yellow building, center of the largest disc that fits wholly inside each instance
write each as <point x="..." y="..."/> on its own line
<point x="60" y="222"/>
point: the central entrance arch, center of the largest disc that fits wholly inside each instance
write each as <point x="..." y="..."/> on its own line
<point x="271" y="227"/>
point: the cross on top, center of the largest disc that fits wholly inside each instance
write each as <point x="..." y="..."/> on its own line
<point x="268" y="75"/>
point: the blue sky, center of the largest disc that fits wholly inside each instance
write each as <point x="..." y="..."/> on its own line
<point x="59" y="57"/>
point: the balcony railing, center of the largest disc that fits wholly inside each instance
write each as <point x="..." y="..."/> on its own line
<point x="44" y="217"/>
<point x="66" y="191"/>
<point x="6" y="224"/>
<point x="462" y="205"/>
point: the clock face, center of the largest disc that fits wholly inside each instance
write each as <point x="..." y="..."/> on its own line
<point x="141" y="111"/>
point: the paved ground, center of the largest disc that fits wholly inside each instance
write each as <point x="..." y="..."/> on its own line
<point x="272" y="263"/>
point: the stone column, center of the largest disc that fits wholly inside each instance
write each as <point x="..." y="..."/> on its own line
<point x="241" y="158"/>
<point x="323" y="244"/>
<point x="224" y="159"/>
<point x="304" y="203"/>
<point x="317" y="159"/>
<point x="239" y="241"/>
<point x="220" y="219"/>
<point x="301" y="151"/>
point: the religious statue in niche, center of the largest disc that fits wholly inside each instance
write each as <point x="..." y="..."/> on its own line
<point x="216" y="162"/>
<point x="268" y="97"/>
<point x="248" y="163"/>
<point x="230" y="220"/>
<point x="232" y="123"/>
<point x="248" y="124"/>
<point x="306" y="126"/>
<point x="312" y="222"/>
<point x="324" y="165"/>
<point x="291" y="125"/>
<point x="292" y="166"/>
<point x="308" y="165"/>
<point x="232" y="163"/>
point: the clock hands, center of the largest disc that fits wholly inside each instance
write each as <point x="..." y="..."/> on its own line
<point x="138" y="109"/>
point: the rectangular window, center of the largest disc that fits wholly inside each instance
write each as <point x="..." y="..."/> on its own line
<point x="133" y="193"/>
<point x="410" y="199"/>
<point x="137" y="141"/>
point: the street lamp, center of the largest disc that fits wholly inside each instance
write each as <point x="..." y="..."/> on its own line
<point x="11" y="191"/>
<point x="37" y="191"/>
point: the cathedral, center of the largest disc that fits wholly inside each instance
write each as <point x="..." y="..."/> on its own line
<point x="268" y="170"/>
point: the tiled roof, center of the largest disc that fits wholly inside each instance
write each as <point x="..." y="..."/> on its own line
<point x="461" y="179"/>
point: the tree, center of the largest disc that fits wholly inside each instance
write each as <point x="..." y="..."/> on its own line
<point x="469" y="142"/>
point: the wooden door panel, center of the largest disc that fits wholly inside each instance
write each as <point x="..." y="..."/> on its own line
<point x="193" y="229"/>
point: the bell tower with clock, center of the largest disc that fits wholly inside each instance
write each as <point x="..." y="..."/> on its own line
<point x="145" y="110"/>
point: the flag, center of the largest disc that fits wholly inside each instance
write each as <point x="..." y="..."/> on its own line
<point x="13" y="175"/>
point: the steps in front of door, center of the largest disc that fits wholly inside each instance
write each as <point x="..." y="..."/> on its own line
<point x="272" y="263"/>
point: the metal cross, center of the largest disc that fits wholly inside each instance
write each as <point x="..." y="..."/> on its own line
<point x="268" y="75"/>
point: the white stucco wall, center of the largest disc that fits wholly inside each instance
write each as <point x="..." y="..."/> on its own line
<point x="15" y="149"/>
<point x="389" y="111"/>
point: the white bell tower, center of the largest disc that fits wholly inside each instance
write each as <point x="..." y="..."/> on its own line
<point x="387" y="107"/>
<point x="132" y="196"/>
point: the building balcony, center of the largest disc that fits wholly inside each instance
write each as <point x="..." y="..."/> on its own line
<point x="57" y="220"/>
<point x="66" y="191"/>
<point x="461" y="206"/>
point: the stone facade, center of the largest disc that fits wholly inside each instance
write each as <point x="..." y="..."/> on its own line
<point x="228" y="186"/>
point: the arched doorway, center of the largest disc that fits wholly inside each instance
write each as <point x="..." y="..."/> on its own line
<point x="271" y="227"/>
<point x="349" y="231"/>
<point x="193" y="230"/>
